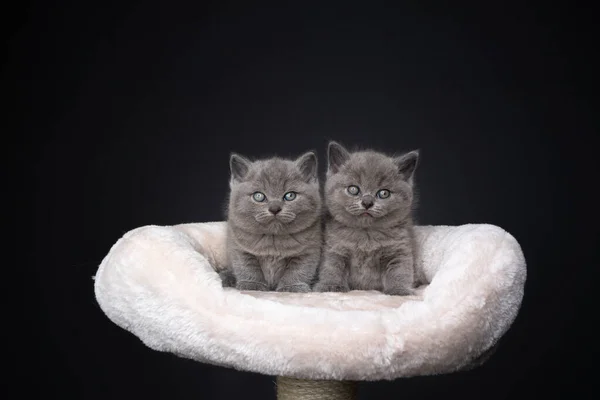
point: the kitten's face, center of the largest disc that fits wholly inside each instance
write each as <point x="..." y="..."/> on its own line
<point x="369" y="189"/>
<point x="274" y="196"/>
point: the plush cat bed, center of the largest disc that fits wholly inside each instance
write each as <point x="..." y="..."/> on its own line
<point x="161" y="283"/>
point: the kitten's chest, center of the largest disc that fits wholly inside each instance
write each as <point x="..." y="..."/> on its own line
<point x="273" y="253"/>
<point x="367" y="259"/>
<point x="365" y="270"/>
<point x="273" y="247"/>
<point x="362" y="244"/>
<point x="273" y="267"/>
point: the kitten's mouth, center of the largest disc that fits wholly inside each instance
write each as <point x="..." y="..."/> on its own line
<point x="366" y="214"/>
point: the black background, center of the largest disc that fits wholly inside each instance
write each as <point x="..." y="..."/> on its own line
<point x="126" y="114"/>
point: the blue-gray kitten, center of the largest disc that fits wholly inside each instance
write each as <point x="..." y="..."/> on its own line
<point x="368" y="228"/>
<point x="274" y="233"/>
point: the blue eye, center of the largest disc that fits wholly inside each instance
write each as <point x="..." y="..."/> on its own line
<point x="289" y="196"/>
<point x="353" y="190"/>
<point x="383" y="194"/>
<point x="258" y="196"/>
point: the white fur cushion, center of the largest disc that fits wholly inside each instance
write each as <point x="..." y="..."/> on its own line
<point x="160" y="284"/>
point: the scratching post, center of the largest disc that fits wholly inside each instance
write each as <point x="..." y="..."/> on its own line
<point x="307" y="389"/>
<point x="162" y="284"/>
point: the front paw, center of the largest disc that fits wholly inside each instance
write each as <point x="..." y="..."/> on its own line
<point x="399" y="291"/>
<point x="249" y="285"/>
<point x="327" y="287"/>
<point x="296" y="288"/>
<point x="227" y="279"/>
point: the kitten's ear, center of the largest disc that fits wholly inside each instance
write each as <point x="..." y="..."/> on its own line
<point x="337" y="155"/>
<point x="407" y="164"/>
<point x="239" y="167"/>
<point x="307" y="164"/>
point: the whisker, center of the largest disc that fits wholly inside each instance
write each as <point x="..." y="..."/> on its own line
<point x="262" y="216"/>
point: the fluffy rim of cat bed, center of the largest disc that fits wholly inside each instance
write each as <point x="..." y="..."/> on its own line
<point x="160" y="284"/>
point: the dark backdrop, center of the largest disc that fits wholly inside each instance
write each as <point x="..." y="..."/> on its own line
<point x="127" y="113"/>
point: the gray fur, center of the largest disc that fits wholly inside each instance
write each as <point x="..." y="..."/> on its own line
<point x="368" y="252"/>
<point x="269" y="251"/>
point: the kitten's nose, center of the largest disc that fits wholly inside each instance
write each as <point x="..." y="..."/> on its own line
<point x="367" y="201"/>
<point x="274" y="208"/>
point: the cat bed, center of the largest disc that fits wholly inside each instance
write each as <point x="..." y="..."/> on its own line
<point x="161" y="284"/>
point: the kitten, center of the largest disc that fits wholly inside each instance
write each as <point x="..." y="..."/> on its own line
<point x="368" y="228"/>
<point x="274" y="233"/>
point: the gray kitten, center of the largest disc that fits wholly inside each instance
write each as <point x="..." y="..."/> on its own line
<point x="274" y="233"/>
<point x="368" y="228"/>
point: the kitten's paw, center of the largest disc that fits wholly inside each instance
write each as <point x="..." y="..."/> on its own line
<point x="325" y="287"/>
<point x="249" y="285"/>
<point x="297" y="288"/>
<point x="227" y="278"/>
<point x="399" y="291"/>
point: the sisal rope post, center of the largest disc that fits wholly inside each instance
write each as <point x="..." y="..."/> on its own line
<point x="307" y="389"/>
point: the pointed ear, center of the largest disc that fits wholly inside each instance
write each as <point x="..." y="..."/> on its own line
<point x="239" y="167"/>
<point x="307" y="164"/>
<point x="337" y="155"/>
<point x="407" y="164"/>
